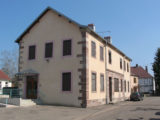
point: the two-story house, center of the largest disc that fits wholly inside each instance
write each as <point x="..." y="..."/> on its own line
<point x="118" y="74"/>
<point x="145" y="80"/>
<point x="63" y="62"/>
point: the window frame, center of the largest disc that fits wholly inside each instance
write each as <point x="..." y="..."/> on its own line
<point x="102" y="90"/>
<point x="122" y="85"/>
<point x="134" y="80"/>
<point x="95" y="82"/>
<point x="69" y="91"/>
<point x="45" y="49"/>
<point x="125" y="86"/>
<point x="71" y="47"/>
<point x="93" y="54"/>
<point x="127" y="67"/>
<point x="101" y="50"/>
<point x="109" y="57"/>
<point x="121" y="65"/>
<point x="124" y="62"/>
<point x="116" y="85"/>
<point x="29" y="52"/>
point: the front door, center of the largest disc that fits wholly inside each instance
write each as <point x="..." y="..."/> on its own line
<point x="110" y="89"/>
<point x="31" y="91"/>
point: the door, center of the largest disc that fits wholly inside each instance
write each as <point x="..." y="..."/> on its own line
<point x="110" y="88"/>
<point x="31" y="91"/>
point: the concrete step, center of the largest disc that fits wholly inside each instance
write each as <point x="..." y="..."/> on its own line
<point x="19" y="101"/>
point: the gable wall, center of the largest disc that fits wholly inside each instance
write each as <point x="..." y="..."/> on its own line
<point x="52" y="28"/>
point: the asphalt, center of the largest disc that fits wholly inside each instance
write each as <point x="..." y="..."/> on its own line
<point x="149" y="109"/>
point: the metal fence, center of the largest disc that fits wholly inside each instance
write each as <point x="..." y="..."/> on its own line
<point x="11" y="92"/>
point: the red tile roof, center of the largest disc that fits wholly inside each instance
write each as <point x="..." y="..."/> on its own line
<point x="140" y="72"/>
<point x="3" y="76"/>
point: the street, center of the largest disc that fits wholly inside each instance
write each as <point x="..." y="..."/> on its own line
<point x="149" y="109"/>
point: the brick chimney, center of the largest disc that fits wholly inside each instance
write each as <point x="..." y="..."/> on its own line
<point x="92" y="27"/>
<point x="108" y="39"/>
<point x="136" y="65"/>
<point x="146" y="68"/>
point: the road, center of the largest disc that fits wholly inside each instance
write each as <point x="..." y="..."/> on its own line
<point x="148" y="109"/>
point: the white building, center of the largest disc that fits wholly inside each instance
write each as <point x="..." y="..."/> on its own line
<point x="146" y="83"/>
<point x="4" y="81"/>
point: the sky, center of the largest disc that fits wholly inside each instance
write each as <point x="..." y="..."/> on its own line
<point x="134" y="24"/>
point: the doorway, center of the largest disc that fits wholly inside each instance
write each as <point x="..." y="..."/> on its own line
<point x="110" y="89"/>
<point x="31" y="87"/>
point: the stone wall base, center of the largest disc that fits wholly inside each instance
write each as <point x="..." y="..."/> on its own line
<point x="96" y="102"/>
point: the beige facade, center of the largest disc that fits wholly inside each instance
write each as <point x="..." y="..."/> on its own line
<point x="118" y="68"/>
<point x="53" y="27"/>
<point x="134" y="84"/>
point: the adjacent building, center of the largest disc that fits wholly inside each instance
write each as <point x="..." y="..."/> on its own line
<point x="63" y="62"/>
<point x="145" y="79"/>
<point x="134" y="83"/>
<point x="4" y="81"/>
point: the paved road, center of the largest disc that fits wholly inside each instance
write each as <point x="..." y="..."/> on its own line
<point x="149" y="109"/>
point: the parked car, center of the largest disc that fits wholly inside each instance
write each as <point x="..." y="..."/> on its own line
<point x="136" y="96"/>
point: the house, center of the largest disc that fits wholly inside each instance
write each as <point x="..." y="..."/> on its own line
<point x="4" y="81"/>
<point x="144" y="78"/>
<point x="63" y="62"/>
<point x="118" y="73"/>
<point x="134" y="83"/>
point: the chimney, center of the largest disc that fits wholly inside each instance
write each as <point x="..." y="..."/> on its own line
<point x="92" y="27"/>
<point x="108" y="39"/>
<point x="136" y="65"/>
<point x="146" y="68"/>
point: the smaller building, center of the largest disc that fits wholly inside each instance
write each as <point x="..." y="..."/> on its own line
<point x="5" y="81"/>
<point x="134" y="83"/>
<point x="145" y="80"/>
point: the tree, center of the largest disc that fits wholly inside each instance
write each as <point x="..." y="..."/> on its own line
<point x="156" y="70"/>
<point x="9" y="62"/>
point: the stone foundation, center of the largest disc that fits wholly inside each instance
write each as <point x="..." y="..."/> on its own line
<point x="96" y="102"/>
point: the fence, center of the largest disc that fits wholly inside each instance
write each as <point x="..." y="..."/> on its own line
<point x="11" y="92"/>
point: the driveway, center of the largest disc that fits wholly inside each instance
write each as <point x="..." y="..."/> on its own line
<point x="149" y="109"/>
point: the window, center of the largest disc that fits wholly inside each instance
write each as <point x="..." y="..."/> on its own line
<point x="67" y="45"/>
<point x="66" y="81"/>
<point x="48" y="50"/>
<point x="134" y="80"/>
<point x="93" y="48"/>
<point x="110" y="57"/>
<point x="102" y="82"/>
<point x="0" y="86"/>
<point x="127" y="67"/>
<point x="32" y="52"/>
<point x="121" y="85"/>
<point x="120" y="63"/>
<point x="94" y="82"/>
<point x="101" y="53"/>
<point x="128" y="87"/>
<point x="125" y="86"/>
<point x="124" y="65"/>
<point x="6" y="84"/>
<point x="116" y="85"/>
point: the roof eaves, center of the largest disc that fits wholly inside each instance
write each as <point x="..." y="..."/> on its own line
<point x="37" y="19"/>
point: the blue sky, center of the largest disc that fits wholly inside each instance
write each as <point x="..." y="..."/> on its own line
<point x="134" y="24"/>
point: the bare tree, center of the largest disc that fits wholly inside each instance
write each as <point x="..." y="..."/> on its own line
<point x="9" y="62"/>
